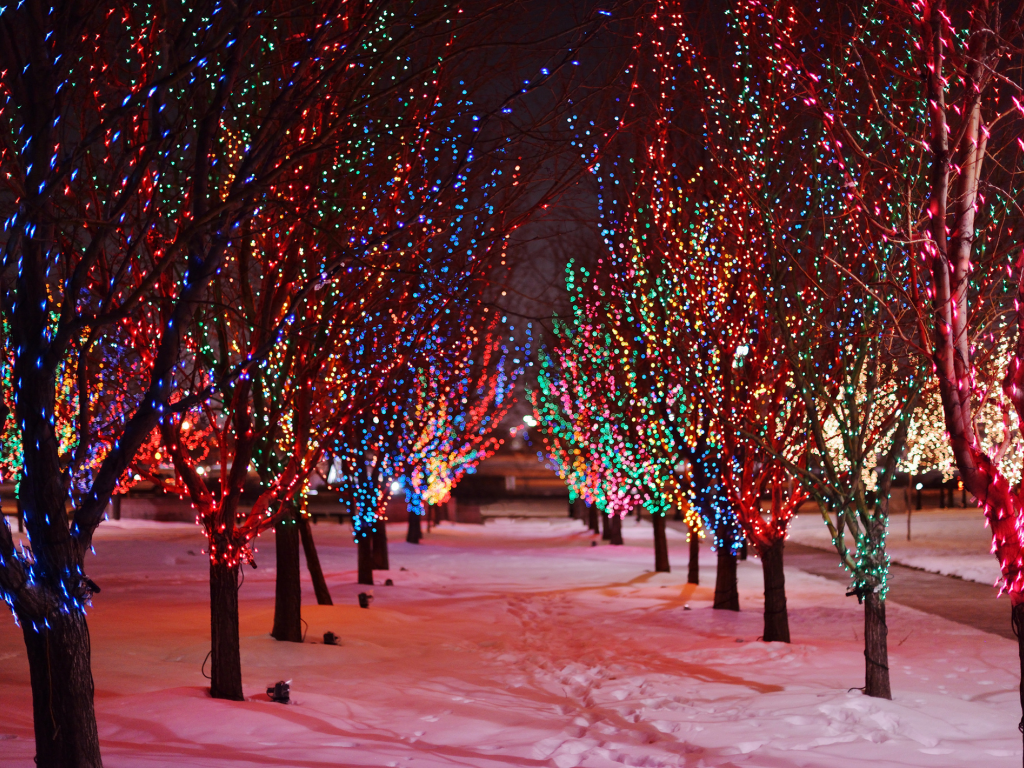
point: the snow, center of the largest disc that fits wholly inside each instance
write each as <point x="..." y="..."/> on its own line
<point x="953" y="542"/>
<point x="518" y="643"/>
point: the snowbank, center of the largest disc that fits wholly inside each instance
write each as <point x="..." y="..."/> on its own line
<point x="953" y="542"/>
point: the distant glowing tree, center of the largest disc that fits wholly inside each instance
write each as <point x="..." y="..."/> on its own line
<point x="449" y="425"/>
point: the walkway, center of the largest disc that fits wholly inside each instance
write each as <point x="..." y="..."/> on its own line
<point x="965" y="602"/>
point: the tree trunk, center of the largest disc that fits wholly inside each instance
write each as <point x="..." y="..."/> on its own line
<point x="776" y="617"/>
<point x="660" y="544"/>
<point x="595" y="525"/>
<point x="727" y="596"/>
<point x="288" y="594"/>
<point x="415" y="529"/>
<point x="380" y="547"/>
<point x="876" y="648"/>
<point x="1017" y="621"/>
<point x="62" y="692"/>
<point x="316" y="573"/>
<point x="614" y="530"/>
<point x="115" y="507"/>
<point x="225" y="656"/>
<point x="364" y="560"/>
<point x="605" y="528"/>
<point x="693" y="572"/>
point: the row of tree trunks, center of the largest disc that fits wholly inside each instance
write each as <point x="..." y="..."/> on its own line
<point x="1017" y="622"/>
<point x="614" y="529"/>
<point x="776" y="617"/>
<point x="225" y="659"/>
<point x="380" y="547"/>
<point x="693" y="572"/>
<point x="592" y="518"/>
<point x="288" y="592"/>
<point x="727" y="596"/>
<point x="415" y="532"/>
<point x="316" y="573"/>
<point x="364" y="560"/>
<point x="62" y="692"/>
<point x="372" y="554"/>
<point x="289" y="530"/>
<point x="661" y="564"/>
<point x="876" y="650"/>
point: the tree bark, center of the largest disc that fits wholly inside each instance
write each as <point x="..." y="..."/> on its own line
<point x="316" y="573"/>
<point x="288" y="593"/>
<point x="693" y="572"/>
<point x="605" y="527"/>
<point x="415" y="529"/>
<point x="1017" y="621"/>
<point x="380" y="547"/>
<point x="115" y="507"/>
<point x="660" y="544"/>
<point x="595" y="525"/>
<point x="62" y="692"/>
<point x="776" y="617"/>
<point x="225" y="655"/>
<point x="614" y="530"/>
<point x="364" y="560"/>
<point x="727" y="596"/>
<point x="876" y="648"/>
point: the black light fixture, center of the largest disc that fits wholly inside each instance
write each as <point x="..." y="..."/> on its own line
<point x="365" y="600"/>
<point x="331" y="639"/>
<point x="280" y="692"/>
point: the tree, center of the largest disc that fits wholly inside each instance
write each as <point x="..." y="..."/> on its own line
<point x="764" y="201"/>
<point x="119" y="206"/>
<point x="458" y="402"/>
<point x="840" y="320"/>
<point x="702" y="226"/>
<point x="922" y="118"/>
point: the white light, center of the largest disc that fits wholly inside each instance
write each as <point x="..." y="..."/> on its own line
<point x="529" y="421"/>
<point x="200" y="471"/>
<point x="919" y="486"/>
<point x="396" y="487"/>
<point x="742" y="349"/>
<point x="186" y="426"/>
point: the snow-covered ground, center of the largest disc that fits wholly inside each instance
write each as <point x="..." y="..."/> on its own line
<point x="954" y="542"/>
<point x="518" y="644"/>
